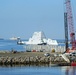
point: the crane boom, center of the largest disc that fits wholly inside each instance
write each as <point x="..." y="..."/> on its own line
<point x="70" y="23"/>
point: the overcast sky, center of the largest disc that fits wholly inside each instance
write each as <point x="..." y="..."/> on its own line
<point x="21" y="18"/>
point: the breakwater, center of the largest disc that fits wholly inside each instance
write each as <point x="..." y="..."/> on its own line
<point x="9" y="58"/>
<point x="23" y="58"/>
<point x="20" y="60"/>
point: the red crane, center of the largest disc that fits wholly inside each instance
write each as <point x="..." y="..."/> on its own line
<point x="70" y="24"/>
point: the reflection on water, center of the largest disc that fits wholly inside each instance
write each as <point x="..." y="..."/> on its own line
<point x="70" y="70"/>
<point x="36" y="69"/>
<point x="24" y="65"/>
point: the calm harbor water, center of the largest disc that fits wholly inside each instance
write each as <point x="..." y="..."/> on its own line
<point x="11" y="44"/>
<point x="38" y="70"/>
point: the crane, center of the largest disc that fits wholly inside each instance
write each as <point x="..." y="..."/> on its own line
<point x="66" y="31"/>
<point x="70" y="23"/>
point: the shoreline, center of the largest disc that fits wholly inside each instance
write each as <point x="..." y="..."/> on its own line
<point x="31" y="58"/>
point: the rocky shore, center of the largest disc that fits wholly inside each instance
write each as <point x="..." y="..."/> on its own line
<point x="16" y="58"/>
<point x="23" y="58"/>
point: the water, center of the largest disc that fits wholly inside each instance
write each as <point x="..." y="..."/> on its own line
<point x="38" y="70"/>
<point x="10" y="44"/>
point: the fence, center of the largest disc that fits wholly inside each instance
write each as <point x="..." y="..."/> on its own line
<point x="45" y="48"/>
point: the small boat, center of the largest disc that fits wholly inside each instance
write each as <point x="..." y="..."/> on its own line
<point x="15" y="38"/>
<point x="20" y="42"/>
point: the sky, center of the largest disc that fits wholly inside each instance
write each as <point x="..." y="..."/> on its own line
<point x="21" y="18"/>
